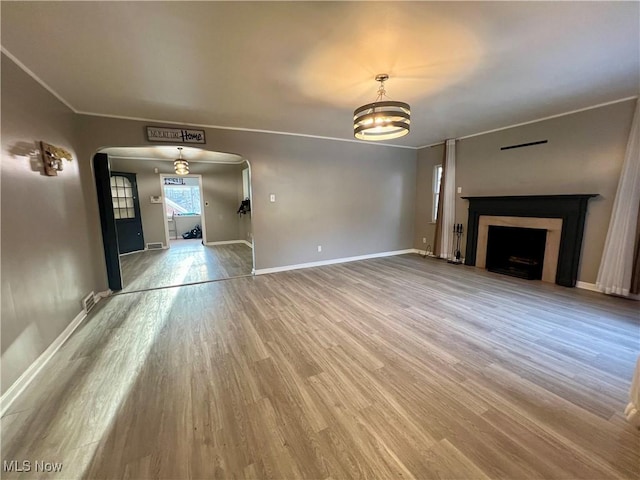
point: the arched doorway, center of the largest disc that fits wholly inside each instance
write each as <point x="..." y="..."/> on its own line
<point x="162" y="229"/>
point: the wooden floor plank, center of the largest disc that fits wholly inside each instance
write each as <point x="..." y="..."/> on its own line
<point x="398" y="367"/>
<point x="185" y="262"/>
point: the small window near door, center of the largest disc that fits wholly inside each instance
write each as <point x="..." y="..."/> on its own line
<point x="437" y="177"/>
<point x="122" y="195"/>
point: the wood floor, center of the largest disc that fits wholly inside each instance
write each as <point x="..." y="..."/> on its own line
<point x="187" y="261"/>
<point x="389" y="368"/>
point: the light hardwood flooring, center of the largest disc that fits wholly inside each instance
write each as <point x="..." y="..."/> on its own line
<point x="391" y="368"/>
<point x="187" y="261"/>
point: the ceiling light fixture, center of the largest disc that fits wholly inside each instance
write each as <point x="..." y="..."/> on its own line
<point x="382" y="119"/>
<point x="181" y="166"/>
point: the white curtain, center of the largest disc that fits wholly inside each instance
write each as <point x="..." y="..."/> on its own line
<point x="616" y="266"/>
<point x="448" y="199"/>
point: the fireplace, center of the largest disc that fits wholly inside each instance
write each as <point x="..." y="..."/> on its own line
<point x="561" y="217"/>
<point x="516" y="251"/>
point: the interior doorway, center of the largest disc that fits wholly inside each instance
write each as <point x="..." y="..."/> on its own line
<point x="183" y="206"/>
<point x="193" y="228"/>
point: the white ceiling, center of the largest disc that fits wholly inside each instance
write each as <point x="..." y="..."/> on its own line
<point x="302" y="67"/>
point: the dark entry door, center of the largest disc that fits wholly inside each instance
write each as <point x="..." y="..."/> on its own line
<point x="126" y="210"/>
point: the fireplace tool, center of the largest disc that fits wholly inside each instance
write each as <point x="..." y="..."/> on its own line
<point x="457" y="232"/>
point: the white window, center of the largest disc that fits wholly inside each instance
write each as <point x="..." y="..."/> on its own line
<point x="182" y="199"/>
<point x="437" y="177"/>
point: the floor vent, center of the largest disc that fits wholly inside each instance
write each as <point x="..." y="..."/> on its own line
<point x="154" y="246"/>
<point x="89" y="302"/>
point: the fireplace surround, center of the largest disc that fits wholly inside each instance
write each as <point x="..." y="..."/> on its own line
<point x="563" y="217"/>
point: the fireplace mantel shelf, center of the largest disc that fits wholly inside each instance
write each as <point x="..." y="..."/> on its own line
<point x="572" y="209"/>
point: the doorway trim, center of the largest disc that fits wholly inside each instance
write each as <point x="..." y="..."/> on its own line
<point x="164" y="206"/>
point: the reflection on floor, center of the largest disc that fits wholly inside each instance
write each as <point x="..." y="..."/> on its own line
<point x="187" y="261"/>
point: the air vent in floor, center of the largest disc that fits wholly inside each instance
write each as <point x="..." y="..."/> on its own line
<point x="89" y="302"/>
<point x="154" y="246"/>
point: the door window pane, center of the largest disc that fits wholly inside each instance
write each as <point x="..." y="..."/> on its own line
<point x="122" y="197"/>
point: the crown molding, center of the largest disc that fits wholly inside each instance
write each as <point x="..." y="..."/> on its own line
<point x="241" y="129"/>
<point x="550" y="117"/>
<point x="29" y="72"/>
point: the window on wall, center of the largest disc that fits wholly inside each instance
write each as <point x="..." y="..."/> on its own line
<point x="182" y="199"/>
<point x="122" y="195"/>
<point x="437" y="177"/>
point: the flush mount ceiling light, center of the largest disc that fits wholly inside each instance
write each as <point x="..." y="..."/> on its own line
<point x="181" y="166"/>
<point x="382" y="119"/>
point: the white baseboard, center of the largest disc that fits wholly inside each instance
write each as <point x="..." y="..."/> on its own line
<point x="264" y="271"/>
<point x="588" y="286"/>
<point x="229" y="242"/>
<point x="248" y="244"/>
<point x="30" y="373"/>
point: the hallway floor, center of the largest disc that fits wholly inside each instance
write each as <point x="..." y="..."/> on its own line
<point x="187" y="261"/>
<point x="398" y="367"/>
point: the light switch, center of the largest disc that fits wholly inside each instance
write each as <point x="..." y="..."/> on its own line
<point x="272" y="197"/>
<point x="459" y="189"/>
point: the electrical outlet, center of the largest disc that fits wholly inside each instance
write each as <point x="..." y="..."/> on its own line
<point x="272" y="197"/>
<point x="319" y="248"/>
<point x="424" y="239"/>
<point x="459" y="189"/>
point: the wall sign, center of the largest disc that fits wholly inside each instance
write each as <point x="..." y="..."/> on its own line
<point x="175" y="135"/>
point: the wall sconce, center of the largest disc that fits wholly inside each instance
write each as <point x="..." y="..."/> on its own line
<point x="52" y="157"/>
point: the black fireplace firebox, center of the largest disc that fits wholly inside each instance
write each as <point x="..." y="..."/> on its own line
<point x="515" y="251"/>
<point x="572" y="209"/>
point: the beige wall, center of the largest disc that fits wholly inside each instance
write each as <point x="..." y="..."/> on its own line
<point x="49" y="261"/>
<point x="428" y="158"/>
<point x="221" y="184"/>
<point x="351" y="198"/>
<point x="584" y="155"/>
